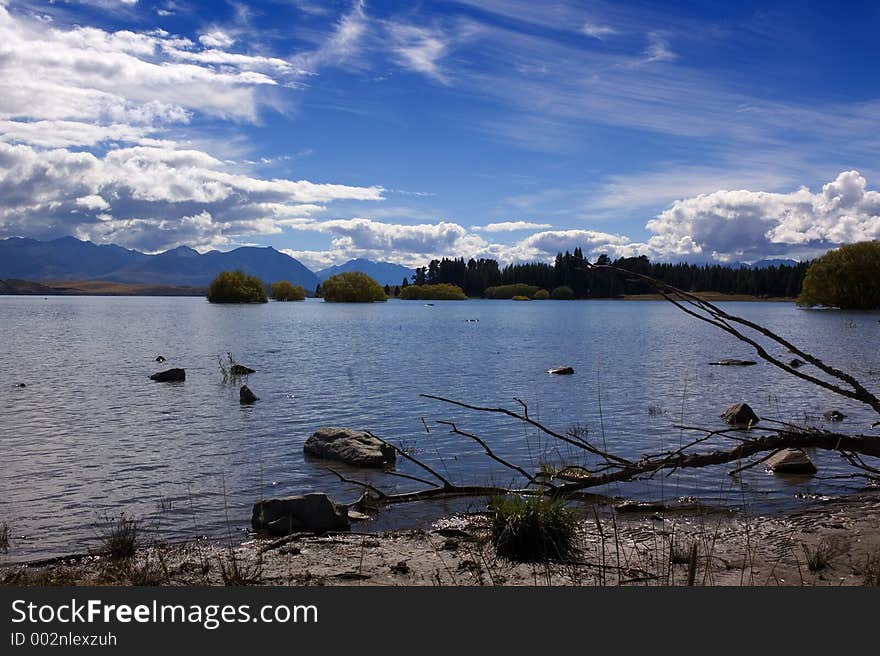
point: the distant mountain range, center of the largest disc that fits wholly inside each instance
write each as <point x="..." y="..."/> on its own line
<point x="385" y="273"/>
<point x="71" y="259"/>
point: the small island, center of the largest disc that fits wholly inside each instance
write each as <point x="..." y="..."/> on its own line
<point x="287" y="291"/>
<point x="236" y="287"/>
<point x="352" y="287"/>
<point x="438" y="292"/>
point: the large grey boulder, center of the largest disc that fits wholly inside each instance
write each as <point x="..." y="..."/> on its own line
<point x="352" y="447"/>
<point x="314" y="512"/>
<point x="790" y="461"/>
<point x="169" y="376"/>
<point x="740" y="414"/>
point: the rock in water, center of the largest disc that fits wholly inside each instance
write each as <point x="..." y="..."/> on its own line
<point x="796" y="362"/>
<point x="160" y="358"/>
<point x="561" y="371"/>
<point x="834" y="415"/>
<point x="169" y="376"/>
<point x="314" y="512"/>
<point x="791" y="461"/>
<point x="246" y="396"/>
<point x="241" y="370"/>
<point x="740" y="414"/>
<point x="352" y="447"/>
<point x="730" y="362"/>
<point x="21" y="385"/>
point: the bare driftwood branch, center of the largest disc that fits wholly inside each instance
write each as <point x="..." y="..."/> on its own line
<point x="570" y="481"/>
<point x="715" y="316"/>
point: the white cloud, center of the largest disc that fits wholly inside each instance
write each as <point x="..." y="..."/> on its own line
<point x="151" y="197"/>
<point x="511" y="226"/>
<point x="92" y="77"/>
<point x="658" y="49"/>
<point x="598" y="31"/>
<point x="730" y="225"/>
<point x="419" y="49"/>
<point x="216" y="39"/>
<point x="342" y="46"/>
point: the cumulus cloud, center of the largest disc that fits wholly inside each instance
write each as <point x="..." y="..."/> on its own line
<point x="719" y="226"/>
<point x="151" y="198"/>
<point x="727" y="225"/>
<point x="98" y="85"/>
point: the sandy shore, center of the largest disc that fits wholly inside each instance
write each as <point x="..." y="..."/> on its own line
<point x="831" y="543"/>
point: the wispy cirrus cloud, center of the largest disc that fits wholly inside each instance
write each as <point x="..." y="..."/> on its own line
<point x="511" y="226"/>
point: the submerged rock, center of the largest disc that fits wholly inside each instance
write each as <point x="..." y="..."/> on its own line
<point x="731" y="362"/>
<point x="241" y="370"/>
<point x="246" y="396"/>
<point x="352" y="447"/>
<point x="740" y="414"/>
<point x="169" y="376"/>
<point x="316" y="513"/>
<point x="21" y="385"/>
<point x="834" y="415"/>
<point x="796" y="362"/>
<point x="561" y="371"/>
<point x="791" y="461"/>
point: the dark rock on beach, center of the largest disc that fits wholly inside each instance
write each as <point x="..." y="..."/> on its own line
<point x="740" y="414"/>
<point x="316" y="513"/>
<point x="246" y="396"/>
<point x="790" y="461"/>
<point x="169" y="376"/>
<point x="352" y="447"/>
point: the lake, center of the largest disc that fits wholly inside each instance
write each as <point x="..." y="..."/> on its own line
<point x="92" y="436"/>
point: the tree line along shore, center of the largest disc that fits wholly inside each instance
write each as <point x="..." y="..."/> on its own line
<point x="848" y="277"/>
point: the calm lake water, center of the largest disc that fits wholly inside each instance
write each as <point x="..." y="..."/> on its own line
<point x="91" y="436"/>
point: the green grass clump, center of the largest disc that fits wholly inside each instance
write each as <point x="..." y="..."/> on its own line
<point x="120" y="536"/>
<point x="532" y="529"/>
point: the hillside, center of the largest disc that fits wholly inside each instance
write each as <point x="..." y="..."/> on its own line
<point x="385" y="273"/>
<point x="69" y="259"/>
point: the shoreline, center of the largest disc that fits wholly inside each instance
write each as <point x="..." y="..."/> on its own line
<point x="714" y="547"/>
<point x="14" y="287"/>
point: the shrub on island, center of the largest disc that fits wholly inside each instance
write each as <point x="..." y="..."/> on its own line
<point x="509" y="291"/>
<point x="562" y="293"/>
<point x="287" y="291"/>
<point x="541" y="295"/>
<point x="847" y="277"/>
<point x="440" y="292"/>
<point x="352" y="287"/>
<point x="236" y="287"/>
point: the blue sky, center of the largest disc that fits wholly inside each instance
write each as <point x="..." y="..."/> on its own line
<point x="404" y="131"/>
